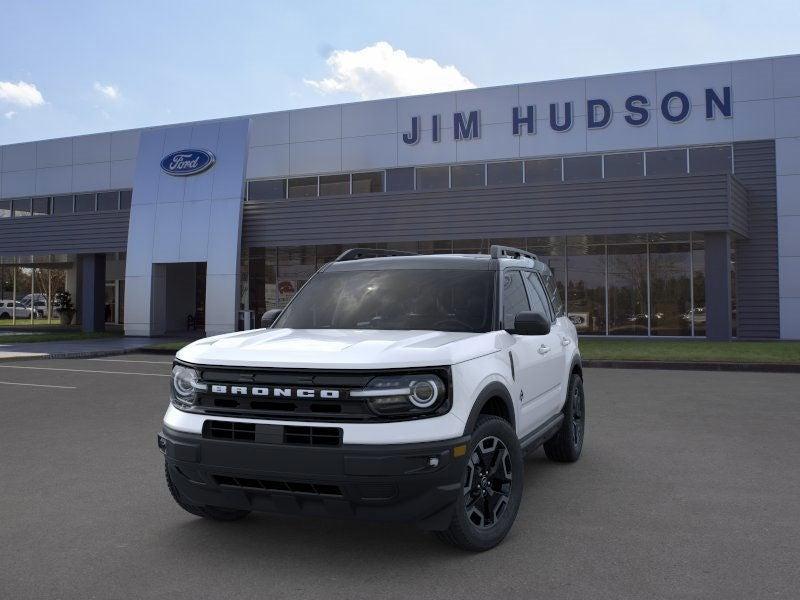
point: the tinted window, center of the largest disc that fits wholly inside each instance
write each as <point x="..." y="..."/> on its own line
<point x="5" y="209"/>
<point x="125" y="199"/>
<point x="551" y="288"/>
<point x="22" y="207"/>
<point x="714" y="159"/>
<point x="577" y="168"/>
<point x="367" y="183"/>
<point x="334" y="185"/>
<point x="536" y="295"/>
<point x="400" y="180"/>
<point x="433" y="178"/>
<point x="666" y="162"/>
<point x="271" y="189"/>
<point x="515" y="299"/>
<point x="62" y="205"/>
<point x="543" y="171"/>
<point x="468" y="175"/>
<point x="504" y="173"/>
<point x="440" y="300"/>
<point x="41" y="206"/>
<point x="84" y="203"/>
<point x="630" y="164"/>
<point x="108" y="201"/>
<point x="303" y="187"/>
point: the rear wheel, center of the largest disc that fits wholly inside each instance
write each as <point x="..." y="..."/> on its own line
<point x="566" y="444"/>
<point x="491" y="488"/>
<point x="207" y="512"/>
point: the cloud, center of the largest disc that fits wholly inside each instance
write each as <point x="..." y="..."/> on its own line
<point x="109" y="91"/>
<point x="380" y="71"/>
<point x="20" y="93"/>
<point x="10" y="114"/>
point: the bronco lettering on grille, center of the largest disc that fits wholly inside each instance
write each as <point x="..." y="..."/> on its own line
<point x="275" y="392"/>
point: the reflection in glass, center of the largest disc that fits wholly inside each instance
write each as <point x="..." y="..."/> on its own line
<point x="586" y="288"/>
<point x="699" y="285"/>
<point x="550" y="251"/>
<point x="670" y="294"/>
<point x="627" y="289"/>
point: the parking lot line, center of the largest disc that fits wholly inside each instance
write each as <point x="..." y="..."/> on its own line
<point x="123" y="360"/>
<point x="61" y="387"/>
<point x="84" y="371"/>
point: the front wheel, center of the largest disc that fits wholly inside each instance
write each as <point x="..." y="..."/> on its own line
<point x="491" y="488"/>
<point x="566" y="444"/>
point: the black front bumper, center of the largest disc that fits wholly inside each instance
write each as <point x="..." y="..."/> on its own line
<point x="384" y="483"/>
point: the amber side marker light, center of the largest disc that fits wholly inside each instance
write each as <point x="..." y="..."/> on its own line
<point x="459" y="451"/>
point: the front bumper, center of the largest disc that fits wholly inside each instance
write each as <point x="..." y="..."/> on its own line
<point x="414" y="483"/>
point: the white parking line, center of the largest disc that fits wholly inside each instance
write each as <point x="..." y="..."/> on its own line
<point x="61" y="387"/>
<point x="149" y="362"/>
<point x="84" y="371"/>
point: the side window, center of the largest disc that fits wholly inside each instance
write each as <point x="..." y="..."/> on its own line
<point x="552" y="292"/>
<point x="515" y="299"/>
<point x="537" y="295"/>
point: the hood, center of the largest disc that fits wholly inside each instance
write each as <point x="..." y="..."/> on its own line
<point x="338" y="348"/>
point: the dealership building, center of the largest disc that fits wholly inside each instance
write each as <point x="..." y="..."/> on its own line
<point x="666" y="202"/>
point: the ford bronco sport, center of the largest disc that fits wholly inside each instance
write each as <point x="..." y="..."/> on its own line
<point x="393" y="387"/>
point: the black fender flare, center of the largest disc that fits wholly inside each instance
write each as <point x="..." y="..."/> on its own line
<point x="576" y="362"/>
<point x="494" y="389"/>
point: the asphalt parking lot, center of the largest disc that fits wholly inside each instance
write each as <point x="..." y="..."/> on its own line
<point x="689" y="487"/>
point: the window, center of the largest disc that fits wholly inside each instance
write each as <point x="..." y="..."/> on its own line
<point x="84" y="203"/>
<point x="504" y="173"/>
<point x="515" y="299"/>
<point x="468" y="175"/>
<point x="22" y="207"/>
<point x="125" y="199"/>
<point x="586" y="285"/>
<point x="108" y="201"/>
<point x="271" y="189"/>
<point x="630" y="164"/>
<point x="367" y="183"/>
<point x="334" y="185"/>
<point x="433" y="178"/>
<point x="303" y="187"/>
<point x="400" y="180"/>
<point x="666" y="162"/>
<point x="713" y="159"/>
<point x="5" y="209"/>
<point x="579" y="168"/>
<point x="41" y="206"/>
<point x="536" y="295"/>
<point x="543" y="171"/>
<point x="627" y="289"/>
<point x="62" y="205"/>
<point x="551" y="288"/>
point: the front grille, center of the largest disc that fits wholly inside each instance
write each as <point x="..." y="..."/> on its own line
<point x="317" y="489"/>
<point x="272" y="434"/>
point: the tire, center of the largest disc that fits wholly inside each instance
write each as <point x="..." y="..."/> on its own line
<point x="5" y="315"/>
<point x="207" y="512"/>
<point x="470" y="528"/>
<point x="565" y="446"/>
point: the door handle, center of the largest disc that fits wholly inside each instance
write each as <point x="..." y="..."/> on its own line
<point x="543" y="349"/>
<point x="565" y="341"/>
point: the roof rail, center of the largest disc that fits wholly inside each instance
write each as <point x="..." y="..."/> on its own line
<point x="359" y="253"/>
<point x="510" y="252"/>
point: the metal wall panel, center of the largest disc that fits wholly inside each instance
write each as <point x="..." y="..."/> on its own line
<point x="60" y="234"/>
<point x="641" y="205"/>
<point x="758" y="310"/>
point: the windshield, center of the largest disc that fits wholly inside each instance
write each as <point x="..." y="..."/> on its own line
<point x="440" y="300"/>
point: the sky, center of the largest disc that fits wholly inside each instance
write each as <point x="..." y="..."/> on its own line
<point x="85" y="66"/>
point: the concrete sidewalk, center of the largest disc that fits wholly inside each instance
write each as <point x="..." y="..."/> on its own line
<point x="78" y="348"/>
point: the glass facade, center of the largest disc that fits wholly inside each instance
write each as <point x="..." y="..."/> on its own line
<point x="645" y="285"/>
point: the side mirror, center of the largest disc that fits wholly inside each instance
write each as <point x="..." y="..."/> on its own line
<point x="269" y="317"/>
<point x="531" y="323"/>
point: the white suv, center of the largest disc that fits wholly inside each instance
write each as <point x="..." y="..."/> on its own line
<point x="392" y="387"/>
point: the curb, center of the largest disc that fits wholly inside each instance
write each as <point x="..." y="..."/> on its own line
<point x="693" y="366"/>
<point x="61" y="355"/>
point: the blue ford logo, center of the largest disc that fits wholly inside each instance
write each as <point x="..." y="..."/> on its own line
<point x="187" y="162"/>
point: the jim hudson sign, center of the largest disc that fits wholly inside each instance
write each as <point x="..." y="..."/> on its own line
<point x="674" y="106"/>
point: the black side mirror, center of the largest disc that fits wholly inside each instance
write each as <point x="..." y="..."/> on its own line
<point x="269" y="317"/>
<point x="531" y="323"/>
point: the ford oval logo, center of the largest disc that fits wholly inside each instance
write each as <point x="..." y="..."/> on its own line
<point x="187" y="162"/>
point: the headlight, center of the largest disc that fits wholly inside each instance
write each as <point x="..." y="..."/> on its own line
<point x="184" y="386"/>
<point x="395" y="395"/>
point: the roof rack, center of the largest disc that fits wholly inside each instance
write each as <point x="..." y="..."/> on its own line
<point x="510" y="252"/>
<point x="359" y="253"/>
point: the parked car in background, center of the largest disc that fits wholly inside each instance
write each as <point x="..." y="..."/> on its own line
<point x="14" y="308"/>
